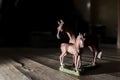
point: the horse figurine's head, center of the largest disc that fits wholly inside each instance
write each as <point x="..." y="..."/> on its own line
<point x="80" y="41"/>
<point x="59" y="29"/>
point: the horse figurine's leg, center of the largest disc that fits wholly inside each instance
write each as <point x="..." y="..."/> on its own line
<point x="75" y="62"/>
<point x="99" y="55"/>
<point x="63" y="53"/>
<point x="96" y="54"/>
<point x="94" y="58"/>
<point x="79" y="62"/>
<point x="62" y="59"/>
<point x="94" y="51"/>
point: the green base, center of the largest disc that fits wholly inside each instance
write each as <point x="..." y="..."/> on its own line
<point x="89" y="65"/>
<point x="69" y="71"/>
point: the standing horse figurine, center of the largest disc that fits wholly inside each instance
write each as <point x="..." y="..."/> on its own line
<point x="74" y="49"/>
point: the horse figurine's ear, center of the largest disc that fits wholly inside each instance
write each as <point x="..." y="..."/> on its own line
<point x="58" y="22"/>
<point x="79" y="33"/>
<point x="61" y="21"/>
<point x="84" y="34"/>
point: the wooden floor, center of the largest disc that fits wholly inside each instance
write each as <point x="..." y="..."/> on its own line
<point x="23" y="64"/>
<point x="43" y="64"/>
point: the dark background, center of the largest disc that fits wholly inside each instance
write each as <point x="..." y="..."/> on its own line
<point x="20" y="20"/>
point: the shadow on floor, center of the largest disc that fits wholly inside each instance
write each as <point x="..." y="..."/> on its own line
<point x="110" y="67"/>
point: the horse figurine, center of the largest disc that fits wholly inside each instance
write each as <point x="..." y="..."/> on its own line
<point x="74" y="49"/>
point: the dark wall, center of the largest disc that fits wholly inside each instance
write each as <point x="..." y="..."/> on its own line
<point x="14" y="29"/>
<point x="99" y="15"/>
<point x="19" y="21"/>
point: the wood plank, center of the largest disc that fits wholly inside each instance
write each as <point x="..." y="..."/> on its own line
<point x="42" y="72"/>
<point x="9" y="72"/>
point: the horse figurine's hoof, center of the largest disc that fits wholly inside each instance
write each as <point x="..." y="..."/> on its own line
<point x="93" y="64"/>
